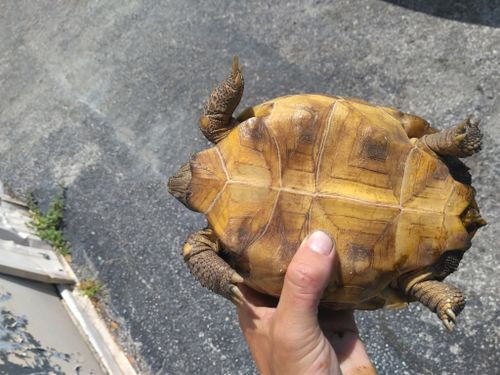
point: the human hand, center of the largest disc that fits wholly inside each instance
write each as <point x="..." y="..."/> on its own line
<point x="292" y="338"/>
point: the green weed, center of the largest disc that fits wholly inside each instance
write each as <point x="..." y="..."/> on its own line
<point x="48" y="225"/>
<point x="91" y="288"/>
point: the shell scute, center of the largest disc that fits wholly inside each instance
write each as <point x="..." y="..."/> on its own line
<point x="359" y="154"/>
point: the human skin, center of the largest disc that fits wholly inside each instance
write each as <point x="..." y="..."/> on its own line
<point x="293" y="336"/>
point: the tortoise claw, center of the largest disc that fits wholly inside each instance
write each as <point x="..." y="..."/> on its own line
<point x="448" y="317"/>
<point x="236" y="296"/>
<point x="451" y="315"/>
<point x="461" y="127"/>
<point x="236" y="278"/>
<point x="236" y="71"/>
<point x="448" y="325"/>
<point x="460" y="137"/>
<point x="235" y="65"/>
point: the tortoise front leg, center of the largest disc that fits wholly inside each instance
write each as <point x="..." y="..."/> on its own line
<point x="201" y="253"/>
<point x="217" y="120"/>
<point x="445" y="300"/>
<point x="460" y="141"/>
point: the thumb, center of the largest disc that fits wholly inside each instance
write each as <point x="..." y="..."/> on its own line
<point x="305" y="279"/>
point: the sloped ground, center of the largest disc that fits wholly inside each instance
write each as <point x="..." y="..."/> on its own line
<point x="105" y="97"/>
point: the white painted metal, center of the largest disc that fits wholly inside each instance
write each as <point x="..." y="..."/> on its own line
<point x="93" y="328"/>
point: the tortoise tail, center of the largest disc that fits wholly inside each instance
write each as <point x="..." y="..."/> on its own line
<point x="178" y="184"/>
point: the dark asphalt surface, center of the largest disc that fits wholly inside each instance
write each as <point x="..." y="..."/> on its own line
<point x="105" y="97"/>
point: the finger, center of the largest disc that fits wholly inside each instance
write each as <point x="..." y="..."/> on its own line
<point x="306" y="277"/>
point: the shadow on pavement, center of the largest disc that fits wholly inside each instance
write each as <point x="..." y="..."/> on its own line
<point x="481" y="12"/>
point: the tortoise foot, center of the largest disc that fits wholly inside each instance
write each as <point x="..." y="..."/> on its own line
<point x="445" y="300"/>
<point x="201" y="253"/>
<point x="461" y="141"/>
<point x="468" y="137"/>
<point x="217" y="120"/>
<point x="449" y="307"/>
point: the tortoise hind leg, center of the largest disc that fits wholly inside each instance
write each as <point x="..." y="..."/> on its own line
<point x="217" y="119"/>
<point x="460" y="141"/>
<point x="201" y="253"/>
<point x="445" y="300"/>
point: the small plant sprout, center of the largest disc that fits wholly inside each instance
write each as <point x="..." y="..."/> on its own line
<point x="91" y="288"/>
<point x="48" y="225"/>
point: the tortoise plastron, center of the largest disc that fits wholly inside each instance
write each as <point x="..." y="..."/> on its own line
<point x="386" y="185"/>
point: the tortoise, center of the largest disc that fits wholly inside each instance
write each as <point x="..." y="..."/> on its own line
<point x="388" y="187"/>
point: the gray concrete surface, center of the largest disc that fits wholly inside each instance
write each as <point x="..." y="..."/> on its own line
<point x="105" y="96"/>
<point x="37" y="336"/>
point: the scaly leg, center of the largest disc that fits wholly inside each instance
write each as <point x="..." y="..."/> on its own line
<point x="460" y="141"/>
<point x="201" y="253"/>
<point x="445" y="300"/>
<point x="217" y="120"/>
